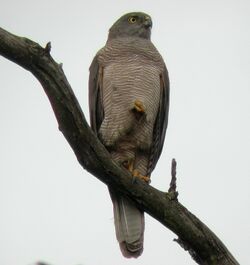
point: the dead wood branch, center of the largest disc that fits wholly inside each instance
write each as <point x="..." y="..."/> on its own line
<point x="193" y="235"/>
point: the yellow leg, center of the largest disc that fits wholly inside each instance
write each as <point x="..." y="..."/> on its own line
<point x="137" y="174"/>
<point x="129" y="165"/>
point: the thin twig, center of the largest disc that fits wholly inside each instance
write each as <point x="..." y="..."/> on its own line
<point x="172" y="186"/>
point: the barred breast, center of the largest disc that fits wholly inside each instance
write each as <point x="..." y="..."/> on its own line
<point x="131" y="71"/>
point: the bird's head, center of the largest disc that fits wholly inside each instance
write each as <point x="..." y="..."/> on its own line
<point x="135" y="24"/>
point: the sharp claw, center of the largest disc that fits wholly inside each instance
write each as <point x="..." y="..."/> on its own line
<point x="129" y="165"/>
<point x="145" y="178"/>
<point x="136" y="174"/>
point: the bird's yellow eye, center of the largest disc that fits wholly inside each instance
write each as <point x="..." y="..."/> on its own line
<point x="132" y="20"/>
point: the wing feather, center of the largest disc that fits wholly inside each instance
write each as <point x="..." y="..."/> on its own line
<point x="161" y="122"/>
<point x="96" y="110"/>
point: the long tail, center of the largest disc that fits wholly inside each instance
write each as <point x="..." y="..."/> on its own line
<point x="129" y="226"/>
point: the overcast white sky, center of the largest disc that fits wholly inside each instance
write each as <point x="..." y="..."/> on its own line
<point x="50" y="208"/>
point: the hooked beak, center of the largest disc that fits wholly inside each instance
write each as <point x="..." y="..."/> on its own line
<point x="148" y="22"/>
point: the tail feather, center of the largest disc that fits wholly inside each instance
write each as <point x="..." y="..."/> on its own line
<point x="129" y="226"/>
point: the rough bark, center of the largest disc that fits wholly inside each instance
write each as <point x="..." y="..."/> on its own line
<point x="193" y="235"/>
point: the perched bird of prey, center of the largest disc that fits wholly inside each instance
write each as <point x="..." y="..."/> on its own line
<point x="129" y="101"/>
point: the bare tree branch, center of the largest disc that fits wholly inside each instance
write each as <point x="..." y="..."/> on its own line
<point x="194" y="236"/>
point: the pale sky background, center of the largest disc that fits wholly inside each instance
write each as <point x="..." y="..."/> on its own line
<point x="53" y="210"/>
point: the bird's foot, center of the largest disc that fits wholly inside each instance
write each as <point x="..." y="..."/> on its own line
<point x="138" y="106"/>
<point x="137" y="174"/>
<point x="129" y="165"/>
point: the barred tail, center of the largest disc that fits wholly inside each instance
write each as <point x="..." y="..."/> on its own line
<point x="129" y="226"/>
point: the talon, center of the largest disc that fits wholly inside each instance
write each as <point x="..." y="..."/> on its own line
<point x="136" y="174"/>
<point x="145" y="178"/>
<point x="139" y="106"/>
